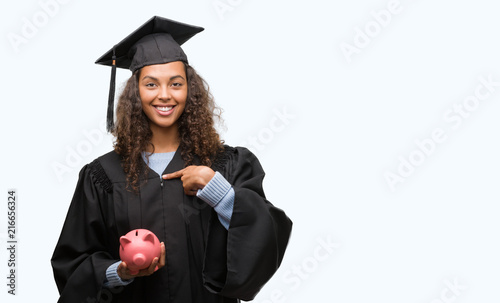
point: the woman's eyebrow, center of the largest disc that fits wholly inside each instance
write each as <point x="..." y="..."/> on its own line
<point x="177" y="76"/>
<point x="150" y="77"/>
<point x="156" y="79"/>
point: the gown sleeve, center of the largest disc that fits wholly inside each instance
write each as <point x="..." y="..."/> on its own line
<point x="240" y="260"/>
<point x="81" y="255"/>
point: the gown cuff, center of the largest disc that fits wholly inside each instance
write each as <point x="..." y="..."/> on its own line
<point x="224" y="208"/>
<point x="215" y="190"/>
<point x="112" y="277"/>
<point x="219" y="194"/>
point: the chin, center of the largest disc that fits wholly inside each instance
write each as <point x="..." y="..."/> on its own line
<point x="164" y="124"/>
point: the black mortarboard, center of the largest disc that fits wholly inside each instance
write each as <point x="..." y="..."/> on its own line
<point x="157" y="41"/>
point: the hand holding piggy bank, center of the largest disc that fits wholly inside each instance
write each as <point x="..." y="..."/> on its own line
<point x="138" y="248"/>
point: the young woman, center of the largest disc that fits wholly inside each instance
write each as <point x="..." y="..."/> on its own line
<point x="169" y="173"/>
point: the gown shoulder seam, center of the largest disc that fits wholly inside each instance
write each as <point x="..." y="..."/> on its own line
<point x="100" y="176"/>
<point x="222" y="158"/>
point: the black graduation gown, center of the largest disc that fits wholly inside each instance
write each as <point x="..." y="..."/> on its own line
<point x="204" y="261"/>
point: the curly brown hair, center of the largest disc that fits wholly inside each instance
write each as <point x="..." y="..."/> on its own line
<point x="199" y="140"/>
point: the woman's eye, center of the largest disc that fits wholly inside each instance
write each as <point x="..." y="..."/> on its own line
<point x="150" y="85"/>
<point x="176" y="84"/>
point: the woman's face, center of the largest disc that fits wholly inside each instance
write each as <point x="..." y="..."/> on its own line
<point x="163" y="92"/>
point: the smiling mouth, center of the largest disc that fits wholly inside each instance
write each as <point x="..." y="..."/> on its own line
<point x="164" y="108"/>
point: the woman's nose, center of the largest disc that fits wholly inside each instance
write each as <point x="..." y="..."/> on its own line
<point x="164" y="93"/>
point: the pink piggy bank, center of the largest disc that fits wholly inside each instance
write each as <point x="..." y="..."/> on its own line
<point x="138" y="248"/>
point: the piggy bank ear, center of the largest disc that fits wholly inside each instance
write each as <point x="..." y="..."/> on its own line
<point x="124" y="241"/>
<point x="149" y="237"/>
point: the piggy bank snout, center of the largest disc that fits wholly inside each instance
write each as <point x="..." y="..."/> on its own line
<point x="139" y="259"/>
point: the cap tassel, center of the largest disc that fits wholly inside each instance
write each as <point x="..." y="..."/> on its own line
<point x="110" y="125"/>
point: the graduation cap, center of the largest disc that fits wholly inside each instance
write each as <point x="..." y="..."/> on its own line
<point x="157" y="41"/>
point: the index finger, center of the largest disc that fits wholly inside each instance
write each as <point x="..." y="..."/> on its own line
<point x="161" y="262"/>
<point x="174" y="175"/>
<point x="153" y="266"/>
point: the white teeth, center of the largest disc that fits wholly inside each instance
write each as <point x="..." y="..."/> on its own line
<point x="164" y="109"/>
